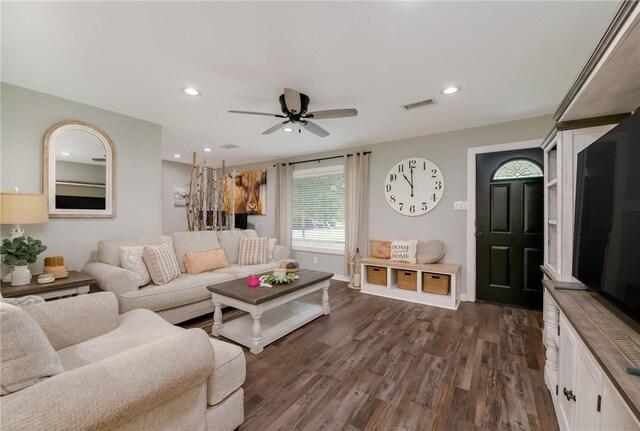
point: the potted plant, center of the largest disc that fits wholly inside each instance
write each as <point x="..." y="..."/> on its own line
<point x="18" y="253"/>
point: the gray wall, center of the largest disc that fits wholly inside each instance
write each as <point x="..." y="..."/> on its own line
<point x="174" y="219"/>
<point x="449" y="152"/>
<point x="25" y="117"/>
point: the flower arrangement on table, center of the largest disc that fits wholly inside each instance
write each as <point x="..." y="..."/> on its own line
<point x="270" y="279"/>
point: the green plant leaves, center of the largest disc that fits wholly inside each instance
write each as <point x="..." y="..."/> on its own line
<point x="20" y="251"/>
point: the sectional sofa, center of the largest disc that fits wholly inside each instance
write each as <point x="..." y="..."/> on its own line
<point x="187" y="296"/>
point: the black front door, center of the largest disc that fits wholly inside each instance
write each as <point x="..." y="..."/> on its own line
<point x="509" y="227"/>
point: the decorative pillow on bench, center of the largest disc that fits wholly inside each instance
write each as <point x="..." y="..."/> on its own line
<point x="380" y="249"/>
<point x="404" y="251"/>
<point x="430" y="251"/>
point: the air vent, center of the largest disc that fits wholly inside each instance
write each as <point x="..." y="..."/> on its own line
<point x="229" y="146"/>
<point x="420" y="104"/>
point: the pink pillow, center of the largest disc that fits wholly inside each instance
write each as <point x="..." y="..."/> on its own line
<point x="380" y="249"/>
<point x="208" y="260"/>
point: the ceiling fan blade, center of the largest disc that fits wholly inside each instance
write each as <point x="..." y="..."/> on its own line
<point x="292" y="100"/>
<point x="332" y="113"/>
<point x="274" y="128"/>
<point x="258" y="113"/>
<point x="99" y="159"/>
<point x="314" y="128"/>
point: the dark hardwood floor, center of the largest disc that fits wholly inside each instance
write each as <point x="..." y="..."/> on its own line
<point x="382" y="364"/>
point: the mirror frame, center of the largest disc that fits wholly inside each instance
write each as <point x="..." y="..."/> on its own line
<point x="49" y="169"/>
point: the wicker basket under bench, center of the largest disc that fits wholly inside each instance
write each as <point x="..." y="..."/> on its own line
<point x="433" y="284"/>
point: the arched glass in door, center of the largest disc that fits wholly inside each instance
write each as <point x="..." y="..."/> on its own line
<point x="517" y="169"/>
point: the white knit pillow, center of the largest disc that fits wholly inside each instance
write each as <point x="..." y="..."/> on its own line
<point x="404" y="251"/>
<point x="131" y="260"/>
<point x="252" y="251"/>
<point x="161" y="262"/>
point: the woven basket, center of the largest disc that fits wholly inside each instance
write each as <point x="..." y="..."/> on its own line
<point x="57" y="271"/>
<point x="436" y="283"/>
<point x="408" y="280"/>
<point x="377" y="275"/>
<point x="54" y="261"/>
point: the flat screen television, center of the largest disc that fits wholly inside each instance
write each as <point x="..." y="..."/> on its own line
<point x="606" y="243"/>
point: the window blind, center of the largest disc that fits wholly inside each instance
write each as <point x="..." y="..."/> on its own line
<point x="318" y="208"/>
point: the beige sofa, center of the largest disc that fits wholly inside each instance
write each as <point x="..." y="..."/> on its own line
<point x="185" y="297"/>
<point x="95" y="369"/>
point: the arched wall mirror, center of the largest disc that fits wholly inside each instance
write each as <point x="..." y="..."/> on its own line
<point x="79" y="170"/>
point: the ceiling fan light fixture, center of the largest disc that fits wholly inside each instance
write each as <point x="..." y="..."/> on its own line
<point x="190" y="91"/>
<point x="451" y="90"/>
<point x="288" y="129"/>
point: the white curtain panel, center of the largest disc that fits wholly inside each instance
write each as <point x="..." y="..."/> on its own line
<point x="356" y="169"/>
<point x="283" y="204"/>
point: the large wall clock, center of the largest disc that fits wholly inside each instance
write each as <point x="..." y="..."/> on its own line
<point x="414" y="186"/>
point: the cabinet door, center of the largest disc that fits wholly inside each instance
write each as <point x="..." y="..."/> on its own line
<point x="587" y="392"/>
<point x="615" y="414"/>
<point x="566" y="376"/>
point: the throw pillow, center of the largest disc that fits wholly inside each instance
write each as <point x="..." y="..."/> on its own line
<point x="404" y="251"/>
<point x="131" y="260"/>
<point x="26" y="354"/>
<point x="208" y="260"/>
<point x="270" y="246"/>
<point x="430" y="251"/>
<point x="252" y="251"/>
<point x="193" y="241"/>
<point x="161" y="262"/>
<point x="380" y="249"/>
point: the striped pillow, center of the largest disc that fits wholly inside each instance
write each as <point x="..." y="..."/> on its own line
<point x="252" y="251"/>
<point x="161" y="262"/>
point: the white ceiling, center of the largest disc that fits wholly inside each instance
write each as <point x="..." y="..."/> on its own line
<point x="513" y="60"/>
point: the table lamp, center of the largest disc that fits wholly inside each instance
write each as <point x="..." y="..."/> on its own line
<point x="23" y="208"/>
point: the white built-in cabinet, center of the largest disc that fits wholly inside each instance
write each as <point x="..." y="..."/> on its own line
<point x="583" y="395"/>
<point x="560" y="160"/>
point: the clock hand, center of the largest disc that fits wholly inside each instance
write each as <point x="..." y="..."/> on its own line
<point x="411" y="182"/>
<point x="405" y="177"/>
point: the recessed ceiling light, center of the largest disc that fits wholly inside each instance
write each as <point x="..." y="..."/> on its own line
<point x="177" y="156"/>
<point x="451" y="90"/>
<point x="288" y="129"/>
<point x="66" y="153"/>
<point x="191" y="91"/>
<point x="207" y="149"/>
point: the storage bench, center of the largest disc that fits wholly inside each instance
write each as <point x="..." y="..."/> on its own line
<point x="435" y="284"/>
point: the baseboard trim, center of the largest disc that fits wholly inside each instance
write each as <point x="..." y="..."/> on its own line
<point x="464" y="297"/>
<point x="340" y="277"/>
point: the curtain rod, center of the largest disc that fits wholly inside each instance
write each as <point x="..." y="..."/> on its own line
<point x="321" y="159"/>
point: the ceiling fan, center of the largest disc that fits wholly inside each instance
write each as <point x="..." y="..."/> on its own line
<point x="294" y="107"/>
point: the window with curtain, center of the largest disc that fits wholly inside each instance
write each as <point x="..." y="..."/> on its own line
<point x="318" y="209"/>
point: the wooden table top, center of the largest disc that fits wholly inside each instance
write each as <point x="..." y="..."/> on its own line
<point x="238" y="289"/>
<point x="75" y="279"/>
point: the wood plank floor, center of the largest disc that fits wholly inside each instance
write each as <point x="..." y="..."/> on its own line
<point x="382" y="364"/>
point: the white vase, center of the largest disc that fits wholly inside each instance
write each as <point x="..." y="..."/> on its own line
<point x="20" y="275"/>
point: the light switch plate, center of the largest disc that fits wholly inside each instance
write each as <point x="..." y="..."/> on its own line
<point x="460" y="205"/>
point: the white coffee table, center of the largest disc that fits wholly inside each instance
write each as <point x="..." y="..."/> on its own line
<point x="274" y="312"/>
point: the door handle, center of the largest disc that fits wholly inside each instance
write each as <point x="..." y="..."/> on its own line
<point x="479" y="234"/>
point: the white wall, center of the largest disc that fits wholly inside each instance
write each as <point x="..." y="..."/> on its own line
<point x="25" y="117"/>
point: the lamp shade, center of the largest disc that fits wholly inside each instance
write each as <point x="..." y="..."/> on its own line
<point x="23" y="208"/>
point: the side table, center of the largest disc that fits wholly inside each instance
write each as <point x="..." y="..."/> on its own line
<point x="77" y="283"/>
